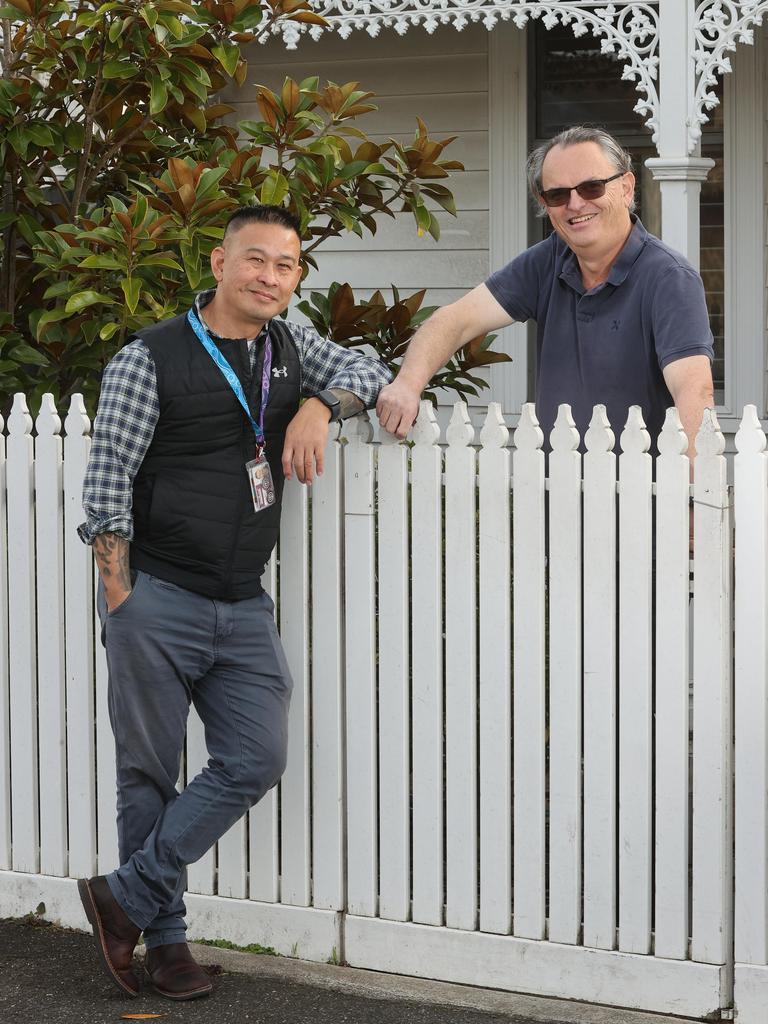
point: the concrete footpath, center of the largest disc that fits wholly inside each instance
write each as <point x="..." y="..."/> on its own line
<point x="51" y="975"/>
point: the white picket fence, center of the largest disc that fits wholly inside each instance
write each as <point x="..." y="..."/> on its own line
<point x="496" y="772"/>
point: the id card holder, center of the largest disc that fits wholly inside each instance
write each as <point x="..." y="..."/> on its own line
<point x="260" y="479"/>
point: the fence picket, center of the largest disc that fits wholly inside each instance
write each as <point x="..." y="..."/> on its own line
<point x="495" y="676"/>
<point x="328" y="684"/>
<point x="49" y="539"/>
<point x="6" y="855"/>
<point x="394" y="725"/>
<point x="712" y="711"/>
<point x="263" y="819"/>
<point x="635" y="687"/>
<point x="295" y="831"/>
<point x="672" y="676"/>
<point x="23" y="646"/>
<point x="460" y="674"/>
<point x="106" y="769"/>
<point x="78" y="628"/>
<point x="599" y="684"/>
<point x="427" y="668"/>
<point x="751" y="691"/>
<point x="201" y="874"/>
<point x="360" y="669"/>
<point x="565" y="821"/>
<point x="529" y="678"/>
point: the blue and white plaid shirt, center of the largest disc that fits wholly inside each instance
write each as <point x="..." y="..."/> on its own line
<point x="129" y="410"/>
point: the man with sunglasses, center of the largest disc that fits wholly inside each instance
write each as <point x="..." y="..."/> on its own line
<point x="621" y="318"/>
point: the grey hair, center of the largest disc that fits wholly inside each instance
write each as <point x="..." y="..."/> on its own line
<point x="619" y="157"/>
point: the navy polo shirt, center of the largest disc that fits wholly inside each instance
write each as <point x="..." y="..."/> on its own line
<point x="608" y="345"/>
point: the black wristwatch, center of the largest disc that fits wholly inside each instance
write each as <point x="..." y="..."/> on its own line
<point x="330" y="401"/>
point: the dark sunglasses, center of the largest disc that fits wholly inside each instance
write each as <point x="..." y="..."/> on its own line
<point x="592" y="189"/>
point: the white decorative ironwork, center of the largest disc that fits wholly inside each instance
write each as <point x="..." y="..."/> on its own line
<point x="628" y="31"/>
<point x="719" y="26"/>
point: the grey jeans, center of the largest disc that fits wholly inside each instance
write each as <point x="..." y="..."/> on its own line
<point x="167" y="647"/>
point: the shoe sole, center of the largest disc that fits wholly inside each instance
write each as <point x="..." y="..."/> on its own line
<point x="179" y="997"/>
<point x="92" y="913"/>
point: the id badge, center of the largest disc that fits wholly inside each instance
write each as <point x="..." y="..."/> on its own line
<point x="260" y="479"/>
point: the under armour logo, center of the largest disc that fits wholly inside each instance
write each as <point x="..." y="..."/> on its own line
<point x="280" y="371"/>
<point x="615" y="325"/>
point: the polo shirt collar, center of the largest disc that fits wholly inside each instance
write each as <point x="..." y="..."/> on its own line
<point x="571" y="272"/>
<point x="631" y="250"/>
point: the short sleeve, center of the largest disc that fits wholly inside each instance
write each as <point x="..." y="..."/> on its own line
<point x="680" y="319"/>
<point x="516" y="287"/>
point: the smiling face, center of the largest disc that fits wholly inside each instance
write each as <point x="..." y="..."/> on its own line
<point x="592" y="228"/>
<point x="257" y="269"/>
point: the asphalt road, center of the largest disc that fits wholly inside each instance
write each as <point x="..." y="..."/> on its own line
<point x="50" y="975"/>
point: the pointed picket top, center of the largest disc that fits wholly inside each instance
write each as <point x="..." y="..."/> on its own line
<point x="710" y="440"/>
<point x="460" y="431"/>
<point x="599" y="436"/>
<point x="19" y="422"/>
<point x="494" y="432"/>
<point x="334" y="431"/>
<point x="635" y="439"/>
<point x="564" y="436"/>
<point x="48" y="422"/>
<point x="750" y="437"/>
<point x="77" y="422"/>
<point x="358" y="429"/>
<point x="672" y="439"/>
<point x="528" y="435"/>
<point x="426" y="429"/>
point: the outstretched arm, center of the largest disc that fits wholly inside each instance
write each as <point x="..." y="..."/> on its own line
<point x="476" y="313"/>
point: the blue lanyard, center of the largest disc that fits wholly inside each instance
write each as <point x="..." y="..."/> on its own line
<point x="231" y="377"/>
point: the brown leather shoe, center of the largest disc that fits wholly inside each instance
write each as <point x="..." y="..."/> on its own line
<point x="174" y="972"/>
<point x="115" y="934"/>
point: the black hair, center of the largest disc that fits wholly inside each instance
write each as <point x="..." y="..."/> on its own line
<point x="263" y="214"/>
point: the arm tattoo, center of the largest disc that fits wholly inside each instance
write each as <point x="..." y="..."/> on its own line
<point x="351" y="405"/>
<point x="111" y="553"/>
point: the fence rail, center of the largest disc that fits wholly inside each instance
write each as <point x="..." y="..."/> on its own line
<point x="516" y="749"/>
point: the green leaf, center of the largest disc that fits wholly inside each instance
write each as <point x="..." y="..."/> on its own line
<point x="51" y="316"/>
<point x="174" y="26"/>
<point x="158" y="95"/>
<point x="19" y="140"/>
<point x="53" y="291"/>
<point x="160" y="261"/>
<point x="108" y="330"/>
<point x="149" y="14"/>
<point x="119" y="69"/>
<point x="24" y="353"/>
<point x="81" y="300"/>
<point x="227" y="55"/>
<point x="40" y="134"/>
<point x="274" y="189"/>
<point x="131" y="290"/>
<point x="74" y="136"/>
<point x="7" y="219"/>
<point x="99" y="263"/>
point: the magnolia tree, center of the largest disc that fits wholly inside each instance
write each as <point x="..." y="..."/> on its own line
<point x="119" y="163"/>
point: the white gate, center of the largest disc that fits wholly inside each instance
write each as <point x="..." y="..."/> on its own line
<point x="495" y="775"/>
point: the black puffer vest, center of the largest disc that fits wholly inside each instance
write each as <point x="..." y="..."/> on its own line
<point x="194" y="521"/>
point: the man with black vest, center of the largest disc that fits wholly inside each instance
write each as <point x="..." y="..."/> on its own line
<point x="199" y="422"/>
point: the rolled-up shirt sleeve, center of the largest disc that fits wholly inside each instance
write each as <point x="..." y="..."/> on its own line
<point x="125" y="424"/>
<point x="324" y="364"/>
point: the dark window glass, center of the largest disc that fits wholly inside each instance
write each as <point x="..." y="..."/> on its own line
<point x="572" y="82"/>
